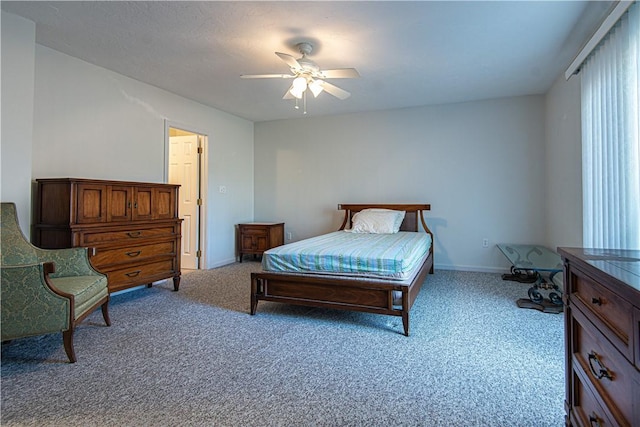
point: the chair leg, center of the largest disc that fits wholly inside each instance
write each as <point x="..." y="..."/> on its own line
<point x="67" y="338"/>
<point x="105" y="313"/>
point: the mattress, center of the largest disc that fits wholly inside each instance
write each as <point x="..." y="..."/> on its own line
<point x="389" y="256"/>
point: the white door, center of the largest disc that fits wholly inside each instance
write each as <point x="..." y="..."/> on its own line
<point x="184" y="170"/>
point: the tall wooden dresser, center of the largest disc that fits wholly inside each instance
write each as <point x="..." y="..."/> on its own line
<point x="133" y="228"/>
<point x="602" y="321"/>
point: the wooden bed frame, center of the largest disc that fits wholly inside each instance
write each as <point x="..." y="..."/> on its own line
<point x="348" y="293"/>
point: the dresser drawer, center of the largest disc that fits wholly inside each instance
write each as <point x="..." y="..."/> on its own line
<point x="140" y="274"/>
<point x="254" y="230"/>
<point x="586" y="411"/>
<point x="127" y="235"/>
<point x="607" y="370"/>
<point x="612" y="314"/>
<point x="107" y="256"/>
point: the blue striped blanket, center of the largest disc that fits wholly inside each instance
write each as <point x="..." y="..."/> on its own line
<point x="392" y="256"/>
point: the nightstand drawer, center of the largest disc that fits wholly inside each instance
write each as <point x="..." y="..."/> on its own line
<point x="254" y="231"/>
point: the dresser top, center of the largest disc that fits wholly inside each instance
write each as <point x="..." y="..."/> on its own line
<point x="623" y="265"/>
<point x="101" y="181"/>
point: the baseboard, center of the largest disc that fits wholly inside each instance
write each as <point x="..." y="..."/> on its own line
<point x="472" y="268"/>
<point x="222" y="263"/>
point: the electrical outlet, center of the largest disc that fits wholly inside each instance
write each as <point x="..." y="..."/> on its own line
<point x="222" y="189"/>
<point x="289" y="235"/>
<point x="485" y="243"/>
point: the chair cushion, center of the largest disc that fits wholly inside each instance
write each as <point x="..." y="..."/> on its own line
<point x="87" y="290"/>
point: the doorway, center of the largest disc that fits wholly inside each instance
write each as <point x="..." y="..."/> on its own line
<point x="186" y="167"/>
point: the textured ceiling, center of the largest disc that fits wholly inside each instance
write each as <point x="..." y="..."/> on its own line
<point x="408" y="53"/>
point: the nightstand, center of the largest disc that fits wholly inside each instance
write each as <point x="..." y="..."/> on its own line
<point x="257" y="237"/>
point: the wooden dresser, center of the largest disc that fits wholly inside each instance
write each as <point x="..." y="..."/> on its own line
<point x="256" y="237"/>
<point x="602" y="321"/>
<point x="132" y="227"/>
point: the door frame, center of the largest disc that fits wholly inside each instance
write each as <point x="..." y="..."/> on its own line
<point x="203" y="179"/>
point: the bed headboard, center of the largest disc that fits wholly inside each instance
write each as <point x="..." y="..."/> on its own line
<point x="413" y="213"/>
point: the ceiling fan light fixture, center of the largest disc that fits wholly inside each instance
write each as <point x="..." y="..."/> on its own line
<point x="316" y="87"/>
<point x="298" y="87"/>
<point x="306" y="74"/>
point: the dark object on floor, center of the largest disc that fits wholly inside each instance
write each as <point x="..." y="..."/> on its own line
<point x="522" y="276"/>
<point x="545" y="306"/>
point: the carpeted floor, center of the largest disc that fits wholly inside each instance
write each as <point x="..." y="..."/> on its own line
<point x="197" y="358"/>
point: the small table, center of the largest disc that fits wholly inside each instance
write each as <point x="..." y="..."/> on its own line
<point x="529" y="263"/>
<point x="256" y="237"/>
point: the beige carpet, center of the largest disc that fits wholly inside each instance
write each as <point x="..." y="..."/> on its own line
<point x="197" y="358"/>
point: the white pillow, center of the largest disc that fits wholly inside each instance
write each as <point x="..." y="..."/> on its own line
<point x="377" y="221"/>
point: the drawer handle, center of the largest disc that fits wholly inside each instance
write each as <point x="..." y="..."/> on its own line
<point x="134" y="234"/>
<point x="596" y="301"/>
<point x="594" y="420"/>
<point x="133" y="254"/>
<point x="603" y="371"/>
<point x="133" y="273"/>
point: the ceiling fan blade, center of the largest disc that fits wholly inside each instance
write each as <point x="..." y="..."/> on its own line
<point x="289" y="60"/>
<point x="335" y="90"/>
<point x="340" y="73"/>
<point x="267" y="76"/>
<point x="287" y="94"/>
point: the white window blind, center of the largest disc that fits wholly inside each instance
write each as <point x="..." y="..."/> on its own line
<point x="610" y="138"/>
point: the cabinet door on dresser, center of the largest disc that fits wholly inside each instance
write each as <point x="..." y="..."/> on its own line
<point x="143" y="201"/>
<point x="119" y="203"/>
<point x="131" y="203"/>
<point x="92" y="203"/>
<point x="164" y="203"/>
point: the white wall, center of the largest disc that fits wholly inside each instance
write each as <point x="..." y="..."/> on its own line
<point x="563" y="200"/>
<point x="18" y="46"/>
<point x="94" y="123"/>
<point x="479" y="164"/>
<point x="76" y="119"/>
<point x="507" y="169"/>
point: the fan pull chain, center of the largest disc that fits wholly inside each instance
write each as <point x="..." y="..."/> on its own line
<point x="304" y="101"/>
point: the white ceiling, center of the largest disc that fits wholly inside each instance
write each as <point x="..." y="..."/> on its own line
<point x="408" y="53"/>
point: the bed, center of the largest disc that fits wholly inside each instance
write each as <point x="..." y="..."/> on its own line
<point x="358" y="291"/>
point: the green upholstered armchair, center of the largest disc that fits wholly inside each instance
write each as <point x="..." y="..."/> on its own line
<point x="45" y="291"/>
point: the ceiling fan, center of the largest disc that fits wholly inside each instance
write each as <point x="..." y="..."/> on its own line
<point x="306" y="74"/>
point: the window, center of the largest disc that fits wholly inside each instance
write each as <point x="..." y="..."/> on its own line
<point x="610" y="142"/>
